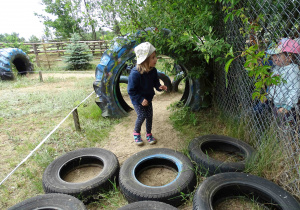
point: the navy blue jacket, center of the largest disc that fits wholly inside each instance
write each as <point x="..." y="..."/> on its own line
<point x="140" y="86"/>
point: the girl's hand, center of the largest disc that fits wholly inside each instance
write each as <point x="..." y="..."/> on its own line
<point x="163" y="87"/>
<point x="145" y="102"/>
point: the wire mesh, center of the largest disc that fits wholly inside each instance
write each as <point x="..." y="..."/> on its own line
<point x="275" y="19"/>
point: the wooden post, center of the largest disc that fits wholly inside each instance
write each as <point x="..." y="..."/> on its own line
<point x="76" y="120"/>
<point x="41" y="76"/>
<point x="57" y="47"/>
<point x="47" y="58"/>
<point x="36" y="55"/>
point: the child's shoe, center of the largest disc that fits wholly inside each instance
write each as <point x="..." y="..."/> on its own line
<point x="137" y="139"/>
<point x="150" y="138"/>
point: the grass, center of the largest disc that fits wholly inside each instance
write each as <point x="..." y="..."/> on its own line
<point x="27" y="116"/>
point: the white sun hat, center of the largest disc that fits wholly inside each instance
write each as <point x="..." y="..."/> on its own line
<point x="143" y="51"/>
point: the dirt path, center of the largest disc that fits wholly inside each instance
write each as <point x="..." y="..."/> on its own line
<point x="120" y="141"/>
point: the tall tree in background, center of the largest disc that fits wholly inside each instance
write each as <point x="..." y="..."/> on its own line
<point x="66" y="18"/>
<point x="81" y="16"/>
<point x="91" y="7"/>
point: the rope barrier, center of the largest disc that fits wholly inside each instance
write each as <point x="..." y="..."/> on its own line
<point x="42" y="142"/>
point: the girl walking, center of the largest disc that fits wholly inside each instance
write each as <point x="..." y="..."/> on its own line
<point x="141" y="81"/>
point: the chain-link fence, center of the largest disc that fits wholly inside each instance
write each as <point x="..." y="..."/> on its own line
<point x="276" y="119"/>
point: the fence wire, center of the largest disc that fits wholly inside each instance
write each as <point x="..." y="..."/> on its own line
<point x="276" y="19"/>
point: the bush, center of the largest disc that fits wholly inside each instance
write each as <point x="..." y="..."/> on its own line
<point x="78" y="54"/>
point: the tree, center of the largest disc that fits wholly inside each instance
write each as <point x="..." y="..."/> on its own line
<point x="13" y="40"/>
<point x="66" y="20"/>
<point x="33" y="39"/>
<point x="193" y="25"/>
<point x="79" y="55"/>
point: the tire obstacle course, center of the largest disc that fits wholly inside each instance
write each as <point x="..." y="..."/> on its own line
<point x="120" y="58"/>
<point x="208" y="194"/>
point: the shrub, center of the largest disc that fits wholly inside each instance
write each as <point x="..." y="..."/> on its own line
<point x="78" y="54"/>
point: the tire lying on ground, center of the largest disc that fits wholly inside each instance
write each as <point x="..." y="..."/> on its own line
<point x="50" y="201"/>
<point x="55" y="173"/>
<point x="171" y="193"/>
<point x="148" y="205"/>
<point x="16" y="57"/>
<point x="199" y="146"/>
<point x="217" y="188"/>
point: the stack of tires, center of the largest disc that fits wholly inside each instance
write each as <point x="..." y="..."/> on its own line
<point x="225" y="179"/>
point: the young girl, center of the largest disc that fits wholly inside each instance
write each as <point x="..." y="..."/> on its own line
<point x="285" y="96"/>
<point x="141" y="81"/>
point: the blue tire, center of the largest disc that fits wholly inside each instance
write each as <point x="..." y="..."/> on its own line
<point x="16" y="57"/>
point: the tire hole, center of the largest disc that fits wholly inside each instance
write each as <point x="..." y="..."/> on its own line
<point x="237" y="203"/>
<point x="224" y="156"/>
<point x="81" y="169"/>
<point x="82" y="174"/>
<point x="157" y="176"/>
<point x="223" y="152"/>
<point x="156" y="172"/>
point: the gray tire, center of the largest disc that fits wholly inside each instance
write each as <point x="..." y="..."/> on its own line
<point x="147" y="205"/>
<point x="50" y="201"/>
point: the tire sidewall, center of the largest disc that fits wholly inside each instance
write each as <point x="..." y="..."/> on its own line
<point x="52" y="182"/>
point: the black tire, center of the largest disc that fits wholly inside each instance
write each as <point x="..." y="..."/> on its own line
<point x="215" y="189"/>
<point x="50" y="201"/>
<point x="206" y="164"/>
<point x="167" y="81"/>
<point x="170" y="193"/>
<point x="123" y="79"/>
<point x="147" y="205"/>
<point x="177" y="79"/>
<point x="16" y="57"/>
<point x="53" y="176"/>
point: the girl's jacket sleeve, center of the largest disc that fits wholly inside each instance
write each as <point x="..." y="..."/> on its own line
<point x="156" y="81"/>
<point x="132" y="88"/>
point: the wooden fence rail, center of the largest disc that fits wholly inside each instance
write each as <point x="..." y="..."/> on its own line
<point x="60" y="48"/>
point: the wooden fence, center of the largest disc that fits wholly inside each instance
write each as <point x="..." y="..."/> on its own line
<point x="41" y="50"/>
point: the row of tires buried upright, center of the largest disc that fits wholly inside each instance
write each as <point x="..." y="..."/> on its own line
<point x="224" y="180"/>
<point x="113" y="69"/>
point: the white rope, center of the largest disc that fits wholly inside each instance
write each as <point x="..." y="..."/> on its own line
<point x="42" y="142"/>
